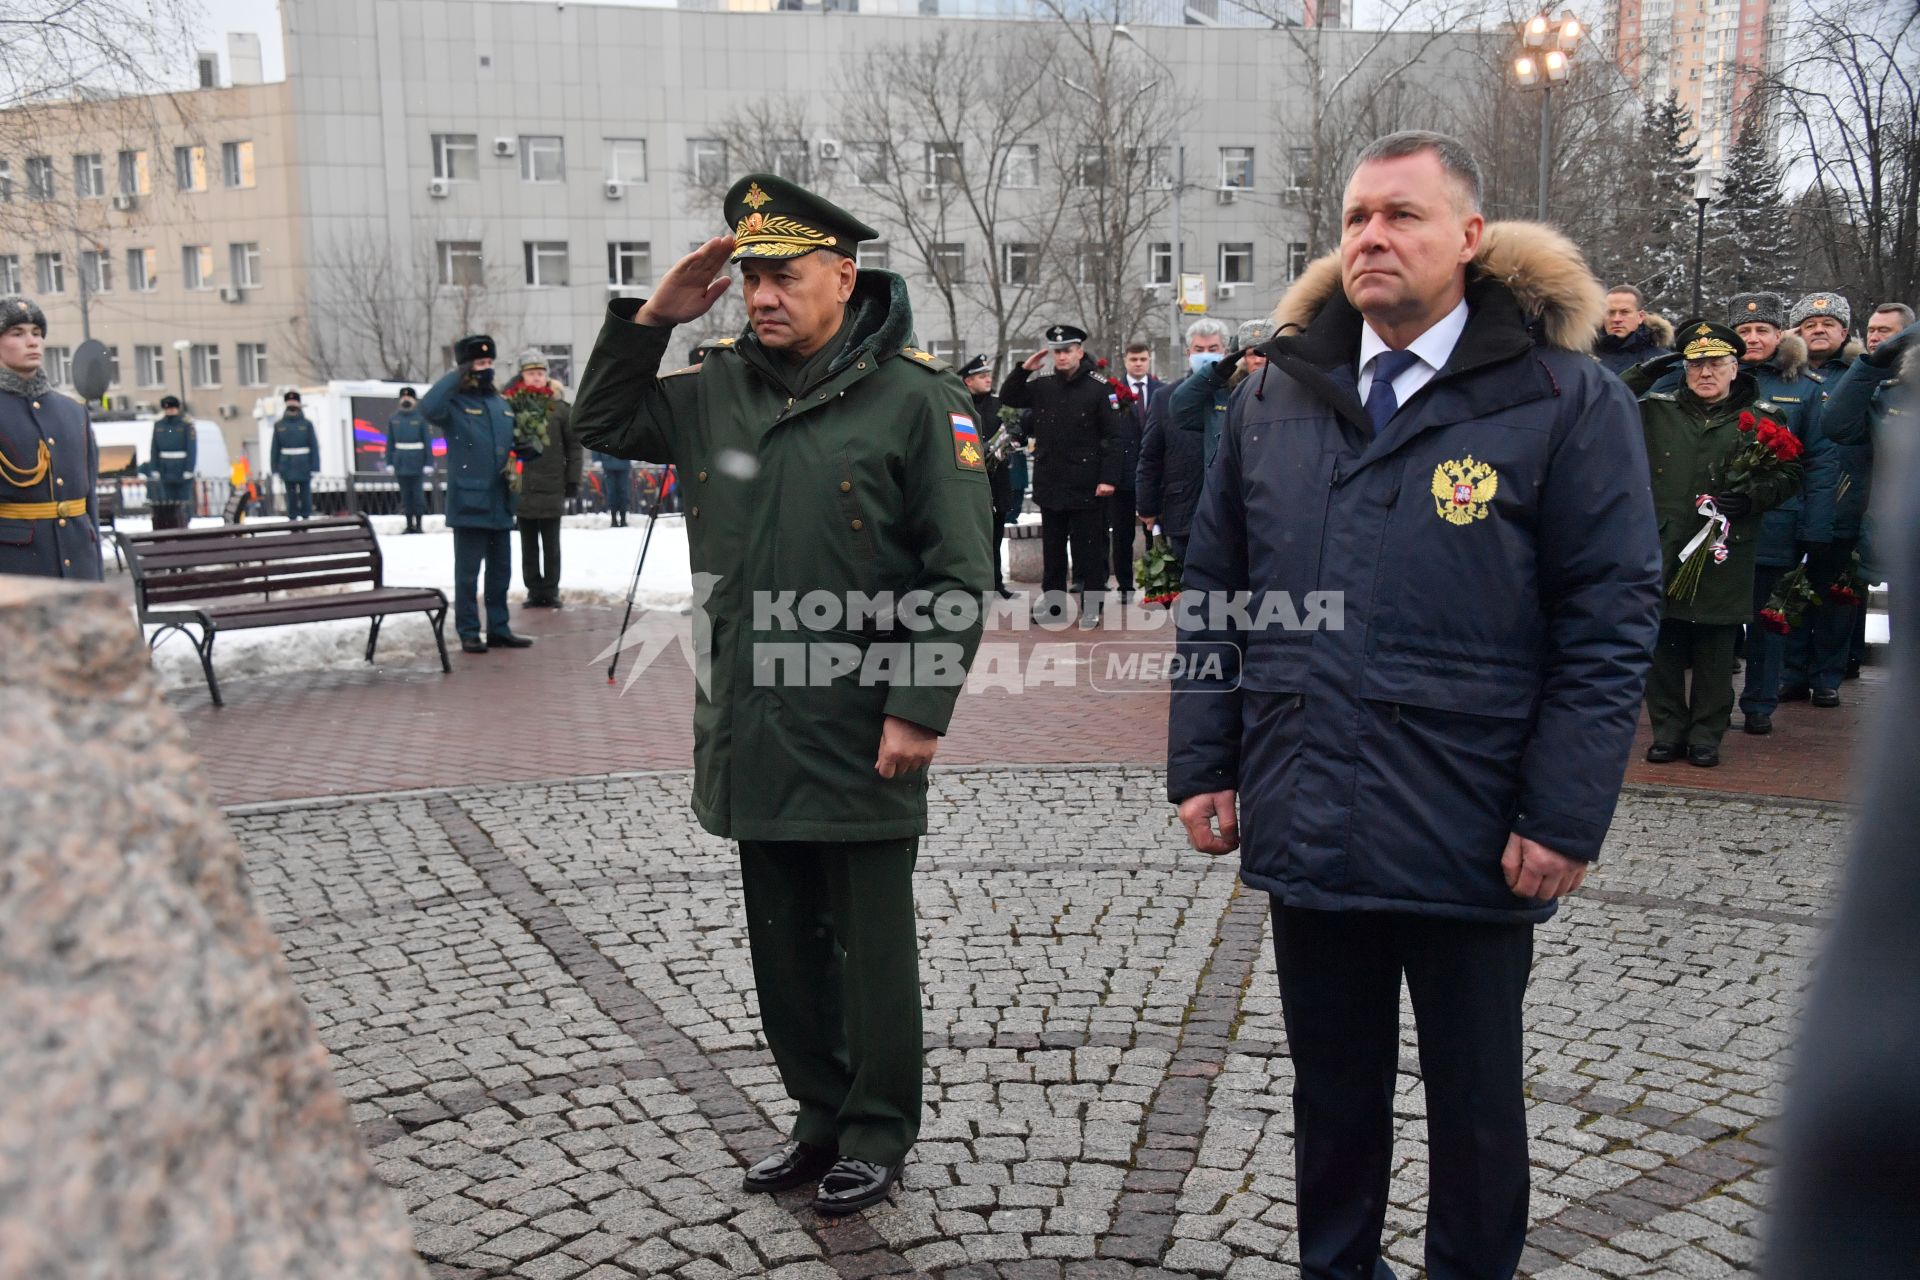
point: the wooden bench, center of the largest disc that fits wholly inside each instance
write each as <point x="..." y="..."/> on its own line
<point x="238" y="577"/>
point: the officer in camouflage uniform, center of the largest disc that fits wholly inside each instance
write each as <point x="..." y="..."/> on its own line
<point x="48" y="463"/>
<point x="821" y="453"/>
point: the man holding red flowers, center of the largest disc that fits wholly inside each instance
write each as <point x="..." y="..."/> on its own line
<point x="1720" y="459"/>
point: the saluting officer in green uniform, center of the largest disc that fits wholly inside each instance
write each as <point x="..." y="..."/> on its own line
<point x="821" y="453"/>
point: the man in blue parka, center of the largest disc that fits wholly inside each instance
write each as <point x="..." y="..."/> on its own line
<point x="481" y="489"/>
<point x="410" y="456"/>
<point x="1416" y="729"/>
<point x="295" y="457"/>
<point x="173" y="451"/>
<point x="48" y="463"/>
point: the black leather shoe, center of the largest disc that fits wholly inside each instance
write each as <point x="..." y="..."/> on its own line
<point x="1793" y="693"/>
<point x="790" y="1166"/>
<point x="1663" y="753"/>
<point x="472" y="644"/>
<point x="1826" y="697"/>
<point x="852" y="1185"/>
<point x="1703" y="757"/>
<point x="1853" y="671"/>
<point x="508" y="640"/>
<point x="1758" y="724"/>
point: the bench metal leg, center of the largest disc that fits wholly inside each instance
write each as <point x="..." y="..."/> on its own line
<point x="373" y="636"/>
<point x="440" y="635"/>
<point x="202" y="647"/>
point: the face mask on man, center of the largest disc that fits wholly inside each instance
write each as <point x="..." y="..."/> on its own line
<point x="1199" y="360"/>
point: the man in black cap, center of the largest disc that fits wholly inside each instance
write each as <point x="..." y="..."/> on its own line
<point x="410" y="455"/>
<point x="482" y="488"/>
<point x="296" y="457"/>
<point x="1078" y="434"/>
<point x="977" y="373"/>
<point x="171" y="456"/>
<point x="48" y="463"/>
<point x="825" y="458"/>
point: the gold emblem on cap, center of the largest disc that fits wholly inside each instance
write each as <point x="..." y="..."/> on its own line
<point x="755" y="197"/>
<point x="1704" y="330"/>
<point x="1819" y="304"/>
<point x="1753" y="306"/>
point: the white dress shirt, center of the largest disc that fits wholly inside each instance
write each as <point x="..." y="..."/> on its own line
<point x="1434" y="348"/>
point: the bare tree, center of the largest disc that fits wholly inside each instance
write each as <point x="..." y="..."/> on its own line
<point x="378" y="313"/>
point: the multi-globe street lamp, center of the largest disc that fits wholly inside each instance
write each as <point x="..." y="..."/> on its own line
<point x="1545" y="59"/>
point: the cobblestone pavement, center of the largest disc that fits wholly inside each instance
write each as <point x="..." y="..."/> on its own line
<point x="538" y="999"/>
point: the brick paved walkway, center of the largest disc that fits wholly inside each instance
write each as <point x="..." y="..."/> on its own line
<point x="538" y="1000"/>
<point x="549" y="712"/>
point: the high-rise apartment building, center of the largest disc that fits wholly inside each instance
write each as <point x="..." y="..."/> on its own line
<point x="1712" y="54"/>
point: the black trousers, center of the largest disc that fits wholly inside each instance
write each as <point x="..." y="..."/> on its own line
<point x="540" y="557"/>
<point x="1340" y="998"/>
<point x="1085" y="529"/>
<point x="616" y="485"/>
<point x="1122" y="524"/>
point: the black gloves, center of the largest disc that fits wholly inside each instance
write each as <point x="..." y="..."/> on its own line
<point x="1823" y="564"/>
<point x="1733" y="505"/>
<point x="573" y="488"/>
<point x="1660" y="364"/>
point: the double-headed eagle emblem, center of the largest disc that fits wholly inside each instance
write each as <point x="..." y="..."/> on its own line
<point x="1462" y="489"/>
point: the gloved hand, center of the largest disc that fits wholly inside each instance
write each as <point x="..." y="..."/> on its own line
<point x="1823" y="564"/>
<point x="573" y="488"/>
<point x="1733" y="505"/>
<point x="1659" y="365"/>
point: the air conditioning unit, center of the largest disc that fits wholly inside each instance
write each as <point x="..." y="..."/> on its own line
<point x="1152" y="288"/>
<point x="929" y="191"/>
<point x="1225" y="291"/>
<point x="504" y="147"/>
<point x="126" y="203"/>
<point x="829" y="148"/>
<point x="230" y="293"/>
<point x="615" y="188"/>
<point x="438" y="188"/>
<point x="229" y="410"/>
<point x="1226" y="195"/>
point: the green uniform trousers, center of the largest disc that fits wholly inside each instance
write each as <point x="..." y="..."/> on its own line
<point x="836" y="961"/>
<point x="1696" y="717"/>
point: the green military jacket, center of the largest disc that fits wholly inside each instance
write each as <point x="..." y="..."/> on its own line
<point x="1689" y="446"/>
<point x="870" y="480"/>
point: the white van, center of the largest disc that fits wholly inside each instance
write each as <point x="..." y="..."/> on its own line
<point x="127" y="445"/>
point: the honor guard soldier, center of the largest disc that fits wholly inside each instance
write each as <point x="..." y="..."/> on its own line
<point x="409" y="456"/>
<point x="170" y="462"/>
<point x="48" y="462"/>
<point x="296" y="457"/>
<point x="824" y="456"/>
<point x="977" y="373"/>
<point x="1079" y="444"/>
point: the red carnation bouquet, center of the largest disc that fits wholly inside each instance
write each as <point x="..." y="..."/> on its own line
<point x="1771" y="451"/>
<point x="1850" y="588"/>
<point x="1119" y="394"/>
<point x="1792" y="596"/>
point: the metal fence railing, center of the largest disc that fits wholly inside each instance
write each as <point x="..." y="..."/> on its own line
<point x="374" y="495"/>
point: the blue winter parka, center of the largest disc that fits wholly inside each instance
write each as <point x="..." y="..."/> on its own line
<point x="1494" y="568"/>
<point x="478" y="428"/>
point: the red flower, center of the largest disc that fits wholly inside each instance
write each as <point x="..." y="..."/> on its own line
<point x="1167" y="598"/>
<point x="1775" y="621"/>
<point x="1842" y="595"/>
<point x="1748" y="422"/>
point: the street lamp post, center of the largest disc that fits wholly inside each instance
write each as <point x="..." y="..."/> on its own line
<point x="180" y="349"/>
<point x="1702" y="196"/>
<point x="1543" y="71"/>
<point x="1179" y="185"/>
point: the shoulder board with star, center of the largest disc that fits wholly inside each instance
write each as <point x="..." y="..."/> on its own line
<point x="1766" y="406"/>
<point x="1101" y="377"/>
<point x="925" y="359"/>
<point x="675" y="373"/>
<point x="1817" y="376"/>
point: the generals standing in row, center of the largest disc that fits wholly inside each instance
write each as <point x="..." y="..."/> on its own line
<point x="822" y="455"/>
<point x="48" y="463"/>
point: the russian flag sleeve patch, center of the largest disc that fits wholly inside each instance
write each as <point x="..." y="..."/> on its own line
<point x="967" y="453"/>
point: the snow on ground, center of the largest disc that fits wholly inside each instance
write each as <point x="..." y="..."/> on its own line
<point x="596" y="567"/>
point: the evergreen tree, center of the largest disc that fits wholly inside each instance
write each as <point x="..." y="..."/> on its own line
<point x="1751" y="245"/>
<point x="1660" y="202"/>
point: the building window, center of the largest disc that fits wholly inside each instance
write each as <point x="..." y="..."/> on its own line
<point x="1236" y="167"/>
<point x="951" y="352"/>
<point x="39" y="177"/>
<point x="196" y="266"/>
<point x="943" y="164"/>
<point x="58" y="363"/>
<point x="10" y="274"/>
<point x="1021" y="171"/>
<point x="243" y="264"/>
<point x="1236" y="263"/>
<point x="1300" y="167"/>
<point x="50" y="272"/>
<point x="872" y="255"/>
<point x="96" y="270"/>
<point x="6" y="182"/>
<point x="1090" y="167"/>
<point x="626" y="160"/>
<point x="113" y="366"/>
<point x="1160" y="262"/>
<point x="707" y="157"/>
<point x="1020" y="263"/>
<point x="190" y="168"/>
<point x="629" y="263"/>
<point x="790" y="159"/>
<point x="460" y="262"/>
<point x="543" y="158"/>
<point x="1155" y="163"/>
<point x="136" y="178"/>
<point x="253" y="364"/>
<point x="142" y="277"/>
<point x="1090" y="263"/>
<point x="949" y="262"/>
<point x="150" y="366"/>
<point x="559" y="357"/>
<point x="867" y="162"/>
<point x="236" y="163"/>
<point x="1296" y="259"/>
<point x="546" y="263"/>
<point x="89" y="176"/>
<point x="456" y="157"/>
<point x="205" y="359"/>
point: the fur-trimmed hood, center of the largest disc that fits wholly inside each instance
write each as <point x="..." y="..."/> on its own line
<point x="1790" y="358"/>
<point x="1660" y="327"/>
<point x="1546" y="273"/>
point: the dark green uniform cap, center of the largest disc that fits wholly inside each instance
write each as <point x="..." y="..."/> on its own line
<point x="774" y="218"/>
<point x="1705" y="340"/>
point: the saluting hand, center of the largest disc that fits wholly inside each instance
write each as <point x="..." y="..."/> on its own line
<point x="1033" y="362"/>
<point x="904" y="747"/>
<point x="1197" y="815"/>
<point x="1537" y="872"/>
<point x="691" y="286"/>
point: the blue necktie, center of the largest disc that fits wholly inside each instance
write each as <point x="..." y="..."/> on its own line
<point x="1382" y="403"/>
